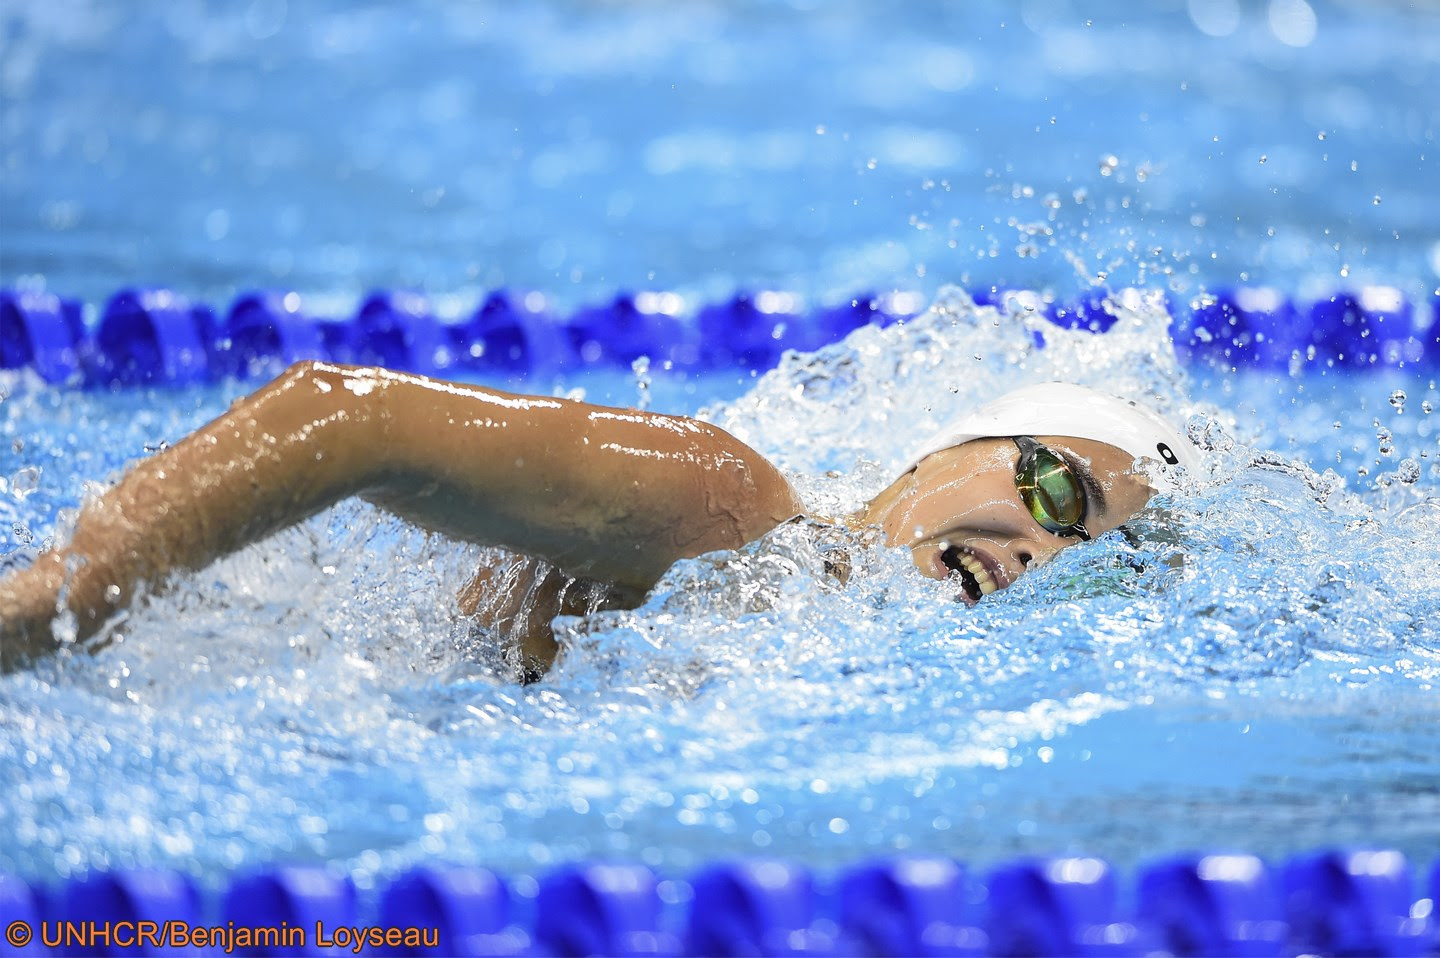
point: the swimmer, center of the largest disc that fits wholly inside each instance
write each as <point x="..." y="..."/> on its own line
<point x="606" y="499"/>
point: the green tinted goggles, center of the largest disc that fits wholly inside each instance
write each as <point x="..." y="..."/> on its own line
<point x="1050" y="489"/>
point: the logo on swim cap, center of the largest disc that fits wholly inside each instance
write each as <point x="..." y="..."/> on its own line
<point x="1167" y="454"/>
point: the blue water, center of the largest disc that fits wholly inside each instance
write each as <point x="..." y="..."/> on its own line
<point x="578" y="148"/>
<point x="1266" y="680"/>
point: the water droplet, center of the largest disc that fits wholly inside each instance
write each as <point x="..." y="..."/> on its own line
<point x="1426" y="407"/>
<point x="25" y="481"/>
<point x="1377" y="199"/>
<point x="1408" y="471"/>
<point x="1108" y="163"/>
<point x="641" y="368"/>
<point x="1263" y="158"/>
<point x="1397" y="399"/>
<point x="1321" y="135"/>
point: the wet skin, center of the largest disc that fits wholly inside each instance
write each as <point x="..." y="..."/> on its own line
<point x="609" y="495"/>
<point x="605" y="496"/>
<point x="961" y="505"/>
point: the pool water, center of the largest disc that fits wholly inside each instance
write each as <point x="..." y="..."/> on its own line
<point x="1259" y="672"/>
<point x="578" y="148"/>
<point x="1265" y="679"/>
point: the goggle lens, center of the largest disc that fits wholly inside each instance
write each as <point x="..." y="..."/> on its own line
<point x="1053" y="493"/>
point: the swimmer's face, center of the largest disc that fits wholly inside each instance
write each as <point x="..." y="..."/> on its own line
<point x="960" y="513"/>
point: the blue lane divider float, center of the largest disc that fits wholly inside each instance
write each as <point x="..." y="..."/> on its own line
<point x="601" y="909"/>
<point x="1213" y="905"/>
<point x="755" y="908"/>
<point x="1356" y="902"/>
<point x="293" y="898"/>
<point x="512" y="333"/>
<point x="128" y="899"/>
<point x="157" y="336"/>
<point x="1065" y="906"/>
<point x="264" y="332"/>
<point x="153" y="335"/>
<point x="42" y="331"/>
<point x="910" y="906"/>
<point x="468" y="908"/>
<point x="1259" y="327"/>
<point x="398" y="330"/>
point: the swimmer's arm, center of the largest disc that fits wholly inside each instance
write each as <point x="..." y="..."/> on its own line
<point x="611" y="495"/>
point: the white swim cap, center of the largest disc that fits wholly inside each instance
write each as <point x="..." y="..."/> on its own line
<point x="1064" y="409"/>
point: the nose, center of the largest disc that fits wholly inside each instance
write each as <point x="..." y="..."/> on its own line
<point x="1029" y="545"/>
<point x="1029" y="551"/>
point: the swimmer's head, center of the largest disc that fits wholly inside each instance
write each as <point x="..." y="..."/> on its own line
<point x="1009" y="485"/>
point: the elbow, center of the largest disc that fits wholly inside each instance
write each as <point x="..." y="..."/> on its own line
<point x="333" y="375"/>
<point x="340" y="415"/>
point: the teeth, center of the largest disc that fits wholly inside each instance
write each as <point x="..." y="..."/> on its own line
<point x="982" y="576"/>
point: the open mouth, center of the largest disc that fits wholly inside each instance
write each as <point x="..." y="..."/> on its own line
<point x="975" y="579"/>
